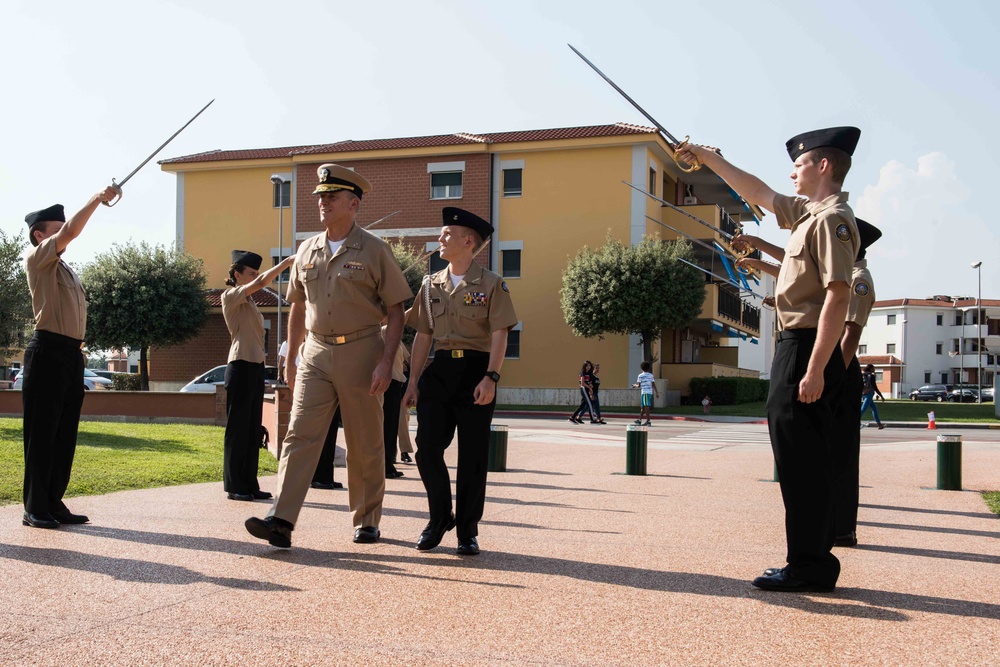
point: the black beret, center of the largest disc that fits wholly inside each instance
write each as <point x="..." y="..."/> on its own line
<point x="247" y="258"/>
<point x="54" y="212"/>
<point x="462" y="218"/>
<point x="844" y="138"/>
<point x="333" y="177"/>
<point x="868" y="234"/>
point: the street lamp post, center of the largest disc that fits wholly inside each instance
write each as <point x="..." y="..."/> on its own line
<point x="278" y="182"/>
<point x="978" y="266"/>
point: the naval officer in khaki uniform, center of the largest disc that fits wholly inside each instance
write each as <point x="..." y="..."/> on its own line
<point x="343" y="284"/>
<point x="812" y="296"/>
<point x="466" y="312"/>
<point x="52" y="393"/>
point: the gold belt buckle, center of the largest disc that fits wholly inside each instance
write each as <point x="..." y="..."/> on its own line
<point x="339" y="340"/>
<point x="457" y="354"/>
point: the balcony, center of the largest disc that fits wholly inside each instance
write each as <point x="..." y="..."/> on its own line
<point x="723" y="304"/>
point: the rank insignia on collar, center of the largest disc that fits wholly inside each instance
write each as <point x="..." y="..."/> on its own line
<point x="475" y="299"/>
<point x="843" y="232"/>
<point x="356" y="266"/>
<point x="861" y="289"/>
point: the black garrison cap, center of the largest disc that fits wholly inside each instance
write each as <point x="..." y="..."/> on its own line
<point x="868" y="234"/>
<point x="462" y="218"/>
<point x="844" y="138"/>
<point x="247" y="258"/>
<point x="54" y="212"/>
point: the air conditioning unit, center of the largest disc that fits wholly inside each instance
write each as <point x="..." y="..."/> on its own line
<point x="690" y="201"/>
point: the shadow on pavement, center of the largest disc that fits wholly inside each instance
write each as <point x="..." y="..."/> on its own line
<point x="931" y="529"/>
<point x="973" y="515"/>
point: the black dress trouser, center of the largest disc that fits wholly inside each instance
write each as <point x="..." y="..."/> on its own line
<point x="324" y="467"/>
<point x="52" y="396"/>
<point x="391" y="400"/>
<point x="847" y="452"/>
<point x="802" y="438"/>
<point x="244" y="414"/>
<point x="445" y="403"/>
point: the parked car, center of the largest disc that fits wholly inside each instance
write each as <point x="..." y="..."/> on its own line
<point x="90" y="380"/>
<point x="963" y="395"/>
<point x="931" y="392"/>
<point x="107" y="374"/>
<point x="206" y="382"/>
<point x="987" y="394"/>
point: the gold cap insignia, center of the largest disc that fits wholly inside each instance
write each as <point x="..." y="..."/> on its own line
<point x="801" y="146"/>
<point x="324" y="174"/>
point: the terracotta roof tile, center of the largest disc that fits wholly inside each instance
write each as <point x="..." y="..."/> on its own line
<point x="264" y="298"/>
<point x="879" y="360"/>
<point x="456" y="139"/>
<point x="963" y="302"/>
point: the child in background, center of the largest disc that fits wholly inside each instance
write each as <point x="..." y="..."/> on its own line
<point x="648" y="387"/>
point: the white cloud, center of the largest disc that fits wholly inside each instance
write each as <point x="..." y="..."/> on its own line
<point x="930" y="234"/>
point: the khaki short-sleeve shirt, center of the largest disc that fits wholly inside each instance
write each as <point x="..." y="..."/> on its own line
<point x="464" y="317"/>
<point x="245" y="324"/>
<point x="348" y="291"/>
<point x="862" y="294"/>
<point x="57" y="296"/>
<point x="820" y="251"/>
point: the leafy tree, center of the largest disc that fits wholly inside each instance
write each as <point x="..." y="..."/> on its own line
<point x="142" y="295"/>
<point x="406" y="256"/>
<point x="16" y="317"/>
<point x="639" y="289"/>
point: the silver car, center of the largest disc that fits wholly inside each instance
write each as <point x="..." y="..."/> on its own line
<point x="207" y="382"/>
<point x="91" y="380"/>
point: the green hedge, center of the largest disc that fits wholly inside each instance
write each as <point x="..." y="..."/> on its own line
<point x="729" y="390"/>
<point x="126" y="382"/>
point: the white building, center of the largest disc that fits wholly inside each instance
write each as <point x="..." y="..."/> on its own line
<point x="941" y="339"/>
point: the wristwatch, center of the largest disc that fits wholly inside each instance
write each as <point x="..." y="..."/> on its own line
<point x="493" y="375"/>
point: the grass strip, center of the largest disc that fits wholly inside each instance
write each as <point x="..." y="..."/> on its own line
<point x="114" y="456"/>
<point x="992" y="499"/>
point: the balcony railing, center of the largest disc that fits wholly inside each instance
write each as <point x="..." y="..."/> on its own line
<point x="730" y="305"/>
<point x="751" y="317"/>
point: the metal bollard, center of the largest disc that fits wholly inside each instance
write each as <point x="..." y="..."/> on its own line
<point x="636" y="438"/>
<point x="497" y="461"/>
<point x="949" y="462"/>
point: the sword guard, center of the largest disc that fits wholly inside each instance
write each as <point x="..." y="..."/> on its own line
<point x="683" y="166"/>
<point x="117" y="199"/>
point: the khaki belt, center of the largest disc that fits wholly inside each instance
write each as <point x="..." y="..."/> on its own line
<point x="340" y="339"/>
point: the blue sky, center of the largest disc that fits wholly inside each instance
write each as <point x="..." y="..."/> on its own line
<point x="92" y="91"/>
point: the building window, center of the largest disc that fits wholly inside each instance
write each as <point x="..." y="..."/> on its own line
<point x="878" y="377"/>
<point x="938" y="349"/>
<point x="513" y="345"/>
<point x="927" y="377"/>
<point x="890" y="348"/>
<point x="940" y="319"/>
<point x="944" y="378"/>
<point x="284" y="274"/>
<point x="652" y="181"/>
<point x="955" y="345"/>
<point x="437" y="263"/>
<point x="958" y="319"/>
<point x="862" y="349"/>
<point x="890" y="319"/>
<point x="446" y="185"/>
<point x="282" y="195"/>
<point x="510" y="261"/>
<point x="511" y="182"/>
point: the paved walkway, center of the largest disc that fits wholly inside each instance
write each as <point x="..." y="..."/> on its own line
<point x="581" y="566"/>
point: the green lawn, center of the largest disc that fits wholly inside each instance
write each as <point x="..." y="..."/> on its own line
<point x="992" y="499"/>
<point x="113" y="456"/>
<point x="896" y="410"/>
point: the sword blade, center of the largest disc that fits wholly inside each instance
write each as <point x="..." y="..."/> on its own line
<point x="621" y="92"/>
<point x="382" y="219"/>
<point x="693" y="239"/>
<point x="718" y="277"/>
<point x="727" y="235"/>
<point x="153" y="154"/>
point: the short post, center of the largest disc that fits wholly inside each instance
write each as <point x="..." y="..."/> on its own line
<point x="949" y="462"/>
<point x="497" y="461"/>
<point x="635" y="449"/>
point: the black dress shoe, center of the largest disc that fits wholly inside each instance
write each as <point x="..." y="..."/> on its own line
<point x="468" y="546"/>
<point x="277" y="532"/>
<point x="771" y="571"/>
<point x="433" y="533"/>
<point x="65" y="516"/>
<point x="240" y="496"/>
<point x="261" y="495"/>
<point x="39" y="520"/>
<point x="848" y="540"/>
<point x="328" y="487"/>
<point x="783" y="582"/>
<point x="366" y="535"/>
<point x="392" y="473"/>
<point x="405" y="458"/>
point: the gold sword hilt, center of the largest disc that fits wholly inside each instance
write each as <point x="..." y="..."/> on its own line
<point x="686" y="167"/>
<point x="741" y="254"/>
<point x="118" y="190"/>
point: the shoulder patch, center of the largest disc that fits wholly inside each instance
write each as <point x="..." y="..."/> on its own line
<point x="844" y="233"/>
<point x="861" y="289"/>
<point x="503" y="286"/>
